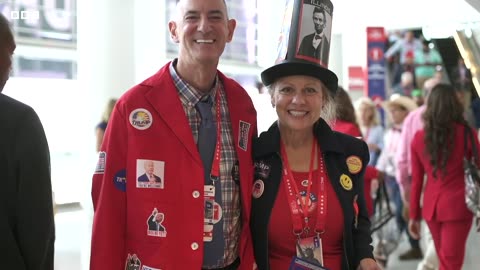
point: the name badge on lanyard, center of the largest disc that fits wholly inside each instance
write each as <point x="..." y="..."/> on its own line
<point x="209" y="195"/>
<point x="302" y="264"/>
<point x="309" y="253"/>
<point x="213" y="211"/>
<point x="309" y="250"/>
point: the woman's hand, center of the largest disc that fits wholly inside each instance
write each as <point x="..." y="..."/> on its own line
<point x="368" y="264"/>
<point x="414" y="228"/>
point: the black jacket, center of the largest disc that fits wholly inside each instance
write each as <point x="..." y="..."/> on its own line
<point x="27" y="231"/>
<point x="336" y="148"/>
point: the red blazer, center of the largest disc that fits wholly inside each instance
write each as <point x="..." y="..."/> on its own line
<point x="444" y="196"/>
<point x="122" y="210"/>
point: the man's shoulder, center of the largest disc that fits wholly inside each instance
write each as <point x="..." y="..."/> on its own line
<point x="10" y="104"/>
<point x="160" y="79"/>
<point x="229" y="83"/>
<point x="410" y="124"/>
<point x="13" y="111"/>
<point x="157" y="78"/>
<point x="232" y="87"/>
<point x="416" y="114"/>
<point x="309" y="36"/>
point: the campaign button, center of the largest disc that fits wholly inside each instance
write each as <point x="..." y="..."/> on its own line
<point x="194" y="246"/>
<point x="196" y="194"/>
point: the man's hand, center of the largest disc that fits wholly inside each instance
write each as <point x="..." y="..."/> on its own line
<point x="368" y="264"/>
<point x="414" y="228"/>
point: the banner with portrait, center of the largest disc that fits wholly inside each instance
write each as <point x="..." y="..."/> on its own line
<point x="310" y="32"/>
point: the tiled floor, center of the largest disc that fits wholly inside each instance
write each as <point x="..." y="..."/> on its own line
<point x="72" y="252"/>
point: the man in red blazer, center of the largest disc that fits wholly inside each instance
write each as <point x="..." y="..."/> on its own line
<point x="161" y="120"/>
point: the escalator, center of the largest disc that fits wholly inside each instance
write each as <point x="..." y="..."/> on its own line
<point x="464" y="45"/>
<point x="449" y="51"/>
<point x="468" y="43"/>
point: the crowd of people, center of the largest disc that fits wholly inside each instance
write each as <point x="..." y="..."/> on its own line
<point x="183" y="180"/>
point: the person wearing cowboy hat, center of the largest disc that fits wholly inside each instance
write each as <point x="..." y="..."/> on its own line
<point x="397" y="108"/>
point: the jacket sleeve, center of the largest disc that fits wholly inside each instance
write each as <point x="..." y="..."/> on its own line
<point x="34" y="216"/>
<point x="361" y="235"/>
<point x="109" y="198"/>
<point x="402" y="156"/>
<point x="418" y="173"/>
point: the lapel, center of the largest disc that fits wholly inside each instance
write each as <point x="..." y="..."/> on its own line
<point x="243" y="122"/>
<point x="233" y="105"/>
<point x="236" y="109"/>
<point x="163" y="97"/>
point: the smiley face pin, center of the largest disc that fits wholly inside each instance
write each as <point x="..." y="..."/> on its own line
<point x="346" y="182"/>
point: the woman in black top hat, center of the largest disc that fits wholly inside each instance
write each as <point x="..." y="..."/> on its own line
<point x="308" y="207"/>
<point x="308" y="204"/>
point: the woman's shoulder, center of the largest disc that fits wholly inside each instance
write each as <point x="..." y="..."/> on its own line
<point x="267" y="143"/>
<point x="350" y="143"/>
<point x="418" y="136"/>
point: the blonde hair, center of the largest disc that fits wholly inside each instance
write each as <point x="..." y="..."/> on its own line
<point x="108" y="109"/>
<point x="367" y="102"/>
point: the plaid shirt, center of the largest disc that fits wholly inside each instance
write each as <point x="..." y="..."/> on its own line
<point x="231" y="208"/>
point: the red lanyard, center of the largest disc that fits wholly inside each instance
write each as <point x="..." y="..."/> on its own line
<point x="294" y="198"/>
<point x="215" y="171"/>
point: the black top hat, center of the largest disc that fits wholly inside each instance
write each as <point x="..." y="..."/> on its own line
<point x="304" y="49"/>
